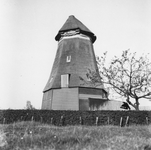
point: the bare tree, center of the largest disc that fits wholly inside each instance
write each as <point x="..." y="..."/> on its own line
<point x="128" y="75"/>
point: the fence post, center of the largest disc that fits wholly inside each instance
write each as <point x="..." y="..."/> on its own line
<point x="127" y="119"/>
<point x="61" y="121"/>
<point x="41" y="119"/>
<point x="26" y="117"/>
<point x="51" y="121"/>
<point x="96" y="121"/>
<point x="32" y="118"/>
<point x="121" y="120"/>
<point x="80" y="120"/>
<point x="4" y="121"/>
<point x="147" y="120"/>
<point x="108" y="120"/>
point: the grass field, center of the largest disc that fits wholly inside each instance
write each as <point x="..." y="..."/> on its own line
<point x="37" y="136"/>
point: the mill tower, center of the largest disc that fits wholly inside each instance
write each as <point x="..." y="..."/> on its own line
<point x="69" y="86"/>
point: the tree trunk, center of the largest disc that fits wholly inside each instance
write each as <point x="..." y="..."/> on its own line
<point x="136" y="104"/>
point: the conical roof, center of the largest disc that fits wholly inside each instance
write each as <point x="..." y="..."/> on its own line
<point x="73" y="23"/>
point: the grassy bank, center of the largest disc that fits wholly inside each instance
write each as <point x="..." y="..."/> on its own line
<point x="36" y="136"/>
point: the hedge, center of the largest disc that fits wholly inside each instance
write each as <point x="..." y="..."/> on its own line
<point x="64" y="118"/>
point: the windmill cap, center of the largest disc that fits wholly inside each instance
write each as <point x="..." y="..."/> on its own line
<point x="73" y="23"/>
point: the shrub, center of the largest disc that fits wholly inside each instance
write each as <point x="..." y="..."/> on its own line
<point x="64" y="118"/>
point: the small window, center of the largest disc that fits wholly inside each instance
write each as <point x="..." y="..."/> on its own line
<point x="68" y="59"/>
<point x="65" y="80"/>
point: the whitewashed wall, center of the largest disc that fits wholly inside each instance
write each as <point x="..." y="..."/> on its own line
<point x="65" y="99"/>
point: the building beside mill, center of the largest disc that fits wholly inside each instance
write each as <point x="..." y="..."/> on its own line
<point x="69" y="86"/>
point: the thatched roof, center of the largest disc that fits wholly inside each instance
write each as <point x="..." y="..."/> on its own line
<point x="73" y="23"/>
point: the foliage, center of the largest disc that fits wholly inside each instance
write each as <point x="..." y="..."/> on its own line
<point x="65" y="118"/>
<point x="29" y="105"/>
<point x="37" y="136"/>
<point x="128" y="75"/>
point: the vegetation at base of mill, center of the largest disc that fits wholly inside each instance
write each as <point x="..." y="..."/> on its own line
<point x="65" y="118"/>
<point x="37" y="136"/>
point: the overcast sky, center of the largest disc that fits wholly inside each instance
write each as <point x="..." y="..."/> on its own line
<point x="28" y="47"/>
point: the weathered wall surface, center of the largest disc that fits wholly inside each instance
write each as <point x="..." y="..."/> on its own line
<point x="47" y="99"/>
<point x="82" y="60"/>
<point x="83" y="104"/>
<point x="77" y="99"/>
<point x="65" y="99"/>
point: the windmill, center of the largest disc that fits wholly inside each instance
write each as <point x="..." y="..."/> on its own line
<point x="69" y="87"/>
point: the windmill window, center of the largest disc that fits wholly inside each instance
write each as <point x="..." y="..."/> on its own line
<point x="65" y="80"/>
<point x="68" y="58"/>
